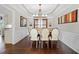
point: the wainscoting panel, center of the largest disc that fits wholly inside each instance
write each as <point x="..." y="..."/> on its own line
<point x="70" y="39"/>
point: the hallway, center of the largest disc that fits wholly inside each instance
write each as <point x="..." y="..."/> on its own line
<point x="23" y="47"/>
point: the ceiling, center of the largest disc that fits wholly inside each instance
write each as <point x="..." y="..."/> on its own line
<point x="51" y="10"/>
<point x="45" y="8"/>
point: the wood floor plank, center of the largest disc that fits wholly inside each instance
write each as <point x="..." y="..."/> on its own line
<point x="23" y="47"/>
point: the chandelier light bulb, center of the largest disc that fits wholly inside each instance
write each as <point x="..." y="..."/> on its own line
<point x="46" y="15"/>
<point x="33" y="15"/>
<point x="42" y="14"/>
<point x="36" y="14"/>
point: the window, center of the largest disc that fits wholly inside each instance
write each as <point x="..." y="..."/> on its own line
<point x="40" y="23"/>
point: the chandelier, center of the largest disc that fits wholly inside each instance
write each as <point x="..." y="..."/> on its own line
<point x="40" y="11"/>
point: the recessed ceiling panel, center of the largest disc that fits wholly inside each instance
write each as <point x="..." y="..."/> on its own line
<point x="45" y="8"/>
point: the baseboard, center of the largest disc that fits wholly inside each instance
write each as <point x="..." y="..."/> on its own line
<point x="20" y="40"/>
<point x="69" y="46"/>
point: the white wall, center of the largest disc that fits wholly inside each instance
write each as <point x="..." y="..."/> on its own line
<point x="52" y="22"/>
<point x="16" y="33"/>
<point x="69" y="32"/>
<point x="8" y="32"/>
<point x="8" y="20"/>
<point x="70" y="39"/>
<point x="19" y="32"/>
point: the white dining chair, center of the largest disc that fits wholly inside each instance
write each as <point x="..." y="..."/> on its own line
<point x="33" y="35"/>
<point x="55" y="37"/>
<point x="55" y="34"/>
<point x="44" y="38"/>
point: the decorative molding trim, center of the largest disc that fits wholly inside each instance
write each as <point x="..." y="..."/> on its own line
<point x="27" y="9"/>
<point x="54" y="9"/>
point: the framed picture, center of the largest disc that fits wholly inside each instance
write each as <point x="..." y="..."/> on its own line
<point x="74" y="16"/>
<point x="63" y="20"/>
<point x="68" y="18"/>
<point x="23" y="21"/>
<point x="60" y="20"/>
<point x="1" y="17"/>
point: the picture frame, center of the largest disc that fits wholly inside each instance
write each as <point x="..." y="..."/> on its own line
<point x="69" y="17"/>
<point x="1" y="17"/>
<point x="23" y="21"/>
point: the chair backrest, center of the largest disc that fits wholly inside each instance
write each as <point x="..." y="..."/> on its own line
<point x="33" y="34"/>
<point x="45" y="33"/>
<point x="55" y="34"/>
<point x="39" y="30"/>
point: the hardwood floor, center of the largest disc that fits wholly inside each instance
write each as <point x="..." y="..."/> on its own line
<point x="23" y="47"/>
